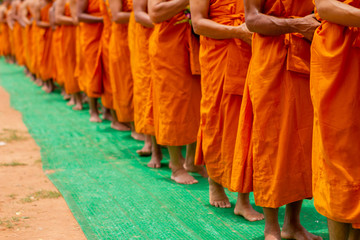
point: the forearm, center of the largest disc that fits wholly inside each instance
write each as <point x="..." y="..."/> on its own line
<point x="42" y="24"/>
<point x="87" y="18"/>
<point x="64" y="20"/>
<point x="211" y="29"/>
<point x="121" y="17"/>
<point x="338" y="12"/>
<point x="272" y="26"/>
<point x="144" y="19"/>
<point x="162" y="11"/>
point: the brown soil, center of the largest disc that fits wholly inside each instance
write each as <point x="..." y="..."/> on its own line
<point x="30" y="205"/>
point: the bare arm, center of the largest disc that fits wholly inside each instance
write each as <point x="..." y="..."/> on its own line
<point x="141" y="13"/>
<point x="338" y="12"/>
<point x="23" y="11"/>
<point x="11" y="15"/>
<point x="206" y="27"/>
<point x="60" y="17"/>
<point x="73" y="10"/>
<point x="85" y="17"/>
<point x="258" y="22"/>
<point x="118" y="15"/>
<point x="162" y="10"/>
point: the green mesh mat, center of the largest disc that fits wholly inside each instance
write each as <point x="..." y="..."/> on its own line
<point x="109" y="188"/>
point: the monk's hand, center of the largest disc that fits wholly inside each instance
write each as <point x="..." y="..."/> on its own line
<point x="244" y="33"/>
<point x="308" y="26"/>
<point x="75" y="21"/>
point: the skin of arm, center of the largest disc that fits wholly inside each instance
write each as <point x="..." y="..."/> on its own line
<point x="85" y="17"/>
<point x="267" y="25"/>
<point x="60" y="17"/>
<point x="40" y="23"/>
<point x="52" y="16"/>
<point x="204" y="26"/>
<point x="73" y="11"/>
<point x="11" y="15"/>
<point x="338" y="12"/>
<point x="24" y="11"/>
<point x="116" y="11"/>
<point x="141" y="15"/>
<point x="162" y="10"/>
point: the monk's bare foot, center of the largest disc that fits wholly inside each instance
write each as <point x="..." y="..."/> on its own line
<point x="196" y="169"/>
<point x="181" y="176"/>
<point x="217" y="195"/>
<point x="272" y="236"/>
<point x="94" y="117"/>
<point x="145" y="151"/>
<point x="137" y="136"/>
<point x="155" y="161"/>
<point x="107" y="116"/>
<point x="85" y="99"/>
<point x="71" y="102"/>
<point x="68" y="97"/>
<point x="78" y="107"/>
<point x="298" y="232"/>
<point x="39" y="82"/>
<point x="243" y="208"/>
<point x="119" y="126"/>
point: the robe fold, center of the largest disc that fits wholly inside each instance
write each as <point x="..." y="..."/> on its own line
<point x="224" y="65"/>
<point x="18" y="44"/>
<point x="107" y="96"/>
<point x="335" y="91"/>
<point x="176" y="91"/>
<point x="5" y="39"/>
<point x="275" y="127"/>
<point x="28" y="44"/>
<point x="46" y="60"/>
<point x="58" y="73"/>
<point x="120" y="69"/>
<point x="90" y="40"/>
<point x="35" y="59"/>
<point x="79" y="72"/>
<point x="68" y="55"/>
<point x="141" y="71"/>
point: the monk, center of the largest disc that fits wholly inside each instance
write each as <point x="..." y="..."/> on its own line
<point x="91" y="29"/>
<point x="140" y="31"/>
<point x="176" y="89"/>
<point x="224" y="58"/>
<point x="335" y="90"/>
<point x="25" y="17"/>
<point x="273" y="147"/>
<point x="10" y="18"/>
<point x="5" y="38"/>
<point x="66" y="19"/>
<point x="45" y="59"/>
<point x="35" y="37"/>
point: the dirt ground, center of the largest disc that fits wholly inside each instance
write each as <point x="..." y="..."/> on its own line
<point x="30" y="205"/>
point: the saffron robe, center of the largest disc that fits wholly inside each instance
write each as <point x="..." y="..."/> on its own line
<point x="224" y="65"/>
<point x="141" y="71"/>
<point x="120" y="69"/>
<point x="335" y="91"/>
<point x="176" y="91"/>
<point x="68" y="55"/>
<point x="90" y="40"/>
<point x="275" y="127"/>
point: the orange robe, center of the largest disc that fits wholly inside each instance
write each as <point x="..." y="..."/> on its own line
<point x="141" y="71"/>
<point x="28" y="45"/>
<point x="107" y="96"/>
<point x="45" y="59"/>
<point x="275" y="126"/>
<point x="78" y="74"/>
<point x="5" y="39"/>
<point x="67" y="55"/>
<point x="335" y="90"/>
<point x="120" y="69"/>
<point x="224" y="65"/>
<point x="58" y="73"/>
<point x="90" y="40"/>
<point x="35" y="60"/>
<point x="176" y="91"/>
<point x="18" y="44"/>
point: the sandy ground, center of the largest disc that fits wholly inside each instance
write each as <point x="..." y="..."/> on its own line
<point x="30" y="205"/>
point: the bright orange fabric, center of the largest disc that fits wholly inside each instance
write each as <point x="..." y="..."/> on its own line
<point x="141" y="71"/>
<point x="58" y="71"/>
<point x="79" y="73"/>
<point x="107" y="96"/>
<point x="35" y="38"/>
<point x="18" y="44"/>
<point x="224" y="65"/>
<point x="275" y="126"/>
<point x="90" y="40"/>
<point x="176" y="92"/>
<point x="120" y="69"/>
<point x="46" y="61"/>
<point x="335" y="89"/>
<point x="5" y="39"/>
<point x="67" y="55"/>
<point x="28" y="43"/>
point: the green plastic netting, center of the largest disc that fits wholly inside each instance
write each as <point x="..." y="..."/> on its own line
<point x="110" y="190"/>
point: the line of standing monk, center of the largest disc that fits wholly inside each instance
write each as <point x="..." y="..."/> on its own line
<point x="267" y="97"/>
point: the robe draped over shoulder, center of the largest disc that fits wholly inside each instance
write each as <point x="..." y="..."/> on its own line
<point x="335" y="90"/>
<point x="275" y="127"/>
